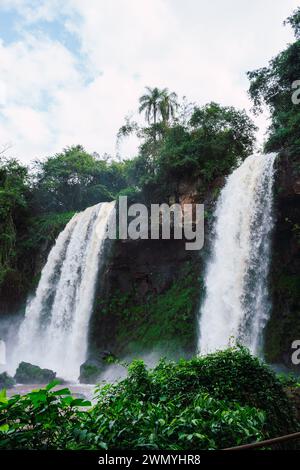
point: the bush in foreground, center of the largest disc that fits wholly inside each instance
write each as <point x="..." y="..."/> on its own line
<point x="209" y="402"/>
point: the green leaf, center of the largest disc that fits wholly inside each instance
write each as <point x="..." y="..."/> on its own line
<point x="80" y="402"/>
<point x="3" y="398"/>
<point x="52" y="384"/>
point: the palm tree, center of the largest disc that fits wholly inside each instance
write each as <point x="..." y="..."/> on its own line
<point x="168" y="105"/>
<point x="158" y="102"/>
<point x="150" y="103"/>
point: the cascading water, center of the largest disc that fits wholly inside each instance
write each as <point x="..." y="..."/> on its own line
<point x="236" y="303"/>
<point x="54" y="332"/>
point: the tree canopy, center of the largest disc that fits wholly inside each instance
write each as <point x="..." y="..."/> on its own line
<point x="205" y="145"/>
<point x="14" y="194"/>
<point x="272" y="86"/>
<point x="75" y="179"/>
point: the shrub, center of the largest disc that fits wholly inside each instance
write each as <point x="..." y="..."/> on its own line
<point x="41" y="419"/>
<point x="210" y="402"/>
<point x="232" y="381"/>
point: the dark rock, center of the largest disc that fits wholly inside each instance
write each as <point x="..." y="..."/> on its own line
<point x="28" y="373"/>
<point x="6" y="381"/>
<point x="90" y="371"/>
<point x="139" y="271"/>
<point x="283" y="327"/>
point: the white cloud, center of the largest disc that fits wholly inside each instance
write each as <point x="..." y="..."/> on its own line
<point x="28" y="124"/>
<point x="92" y="115"/>
<point x="33" y="67"/>
<point x="33" y="72"/>
<point x="34" y="10"/>
<point x="51" y="96"/>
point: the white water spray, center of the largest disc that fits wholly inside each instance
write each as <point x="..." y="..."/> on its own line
<point x="54" y="332"/>
<point x="236" y="303"/>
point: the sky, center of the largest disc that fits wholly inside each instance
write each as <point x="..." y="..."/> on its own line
<point x="71" y="70"/>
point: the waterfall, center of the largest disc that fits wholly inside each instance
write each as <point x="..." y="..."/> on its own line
<point x="236" y="303"/>
<point x="54" y="332"/>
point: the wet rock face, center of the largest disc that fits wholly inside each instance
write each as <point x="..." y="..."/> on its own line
<point x="90" y="371"/>
<point x="27" y="373"/>
<point x="92" y="368"/>
<point x="139" y="271"/>
<point x="148" y="265"/>
<point x="284" y="325"/>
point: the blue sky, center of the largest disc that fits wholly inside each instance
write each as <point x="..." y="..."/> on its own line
<point x="13" y="25"/>
<point x="71" y="70"/>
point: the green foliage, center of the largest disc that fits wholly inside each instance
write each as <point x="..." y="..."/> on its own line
<point x="33" y="210"/>
<point x="288" y="380"/>
<point x="33" y="241"/>
<point x="157" y="103"/>
<point x="41" y="419"/>
<point x="130" y="419"/>
<point x="218" y="138"/>
<point x="294" y="22"/>
<point x="74" y="179"/>
<point x="206" y="145"/>
<point x="44" y="229"/>
<point x="272" y="85"/>
<point x="220" y="400"/>
<point x="236" y="376"/>
<point x="13" y="212"/>
<point x="178" y="406"/>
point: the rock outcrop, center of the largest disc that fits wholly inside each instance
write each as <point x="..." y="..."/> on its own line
<point x="284" y="325"/>
<point x="27" y="373"/>
<point x="92" y="368"/>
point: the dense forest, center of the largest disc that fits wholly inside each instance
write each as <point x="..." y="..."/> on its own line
<point x="186" y="151"/>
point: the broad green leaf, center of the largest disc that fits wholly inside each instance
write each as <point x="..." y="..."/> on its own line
<point x="80" y="402"/>
<point x="3" y="397"/>
<point x="52" y="384"/>
<point x="4" y="428"/>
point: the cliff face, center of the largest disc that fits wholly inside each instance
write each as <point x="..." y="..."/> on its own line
<point x="284" y="325"/>
<point x="147" y="299"/>
<point x="151" y="289"/>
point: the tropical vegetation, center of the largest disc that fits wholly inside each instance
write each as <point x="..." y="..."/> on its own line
<point x="210" y="402"/>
